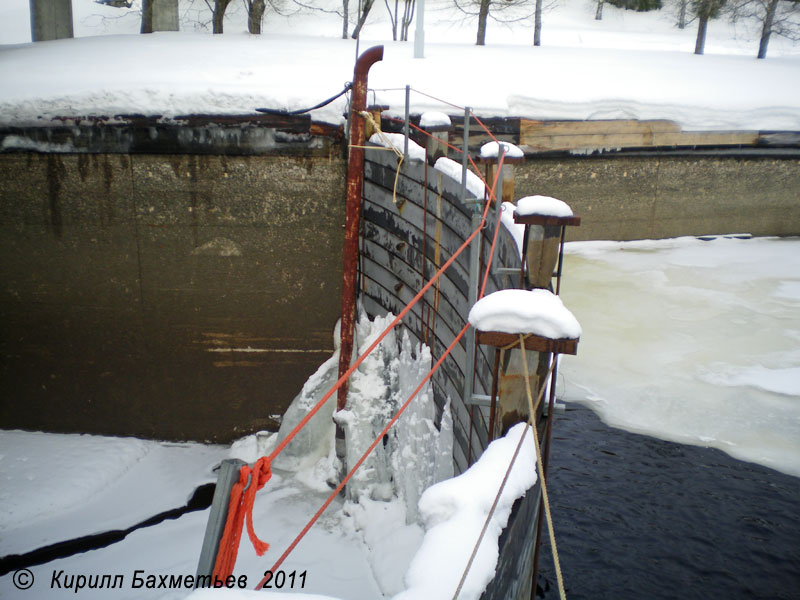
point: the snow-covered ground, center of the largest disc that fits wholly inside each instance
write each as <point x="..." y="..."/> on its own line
<point x="629" y="65"/>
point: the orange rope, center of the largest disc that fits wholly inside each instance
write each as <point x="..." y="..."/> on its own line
<point x="240" y="508"/>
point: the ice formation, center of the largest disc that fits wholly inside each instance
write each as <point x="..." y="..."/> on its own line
<point x="525" y="311"/>
<point x="414" y="454"/>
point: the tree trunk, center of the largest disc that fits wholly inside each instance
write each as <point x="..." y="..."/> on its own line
<point x="365" y="8"/>
<point x="682" y="14"/>
<point x="256" y="15"/>
<point x="598" y="16"/>
<point x="766" y="30"/>
<point x="345" y="18"/>
<point x="483" y="15"/>
<point x="147" y="16"/>
<point x="219" y="14"/>
<point x="700" y="45"/>
<point x="537" y="24"/>
<point x="408" y="17"/>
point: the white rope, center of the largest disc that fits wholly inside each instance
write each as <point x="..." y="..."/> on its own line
<point x="545" y="498"/>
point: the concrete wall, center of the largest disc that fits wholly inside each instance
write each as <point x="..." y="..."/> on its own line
<point x="639" y="197"/>
<point x="175" y="297"/>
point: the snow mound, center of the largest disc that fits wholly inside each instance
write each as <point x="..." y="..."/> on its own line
<point x="433" y="118"/>
<point x="455" y="511"/>
<point x="454" y="170"/>
<point x="525" y="311"/>
<point x="543" y="205"/>
<point x="492" y="150"/>
<point x="397" y="142"/>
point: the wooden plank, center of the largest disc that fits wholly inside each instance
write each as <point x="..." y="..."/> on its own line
<point x="609" y="127"/>
<point x="532" y="342"/>
<point x="595" y="135"/>
<point x="706" y="138"/>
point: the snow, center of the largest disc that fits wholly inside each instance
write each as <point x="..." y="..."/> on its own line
<point x="691" y="341"/>
<point x="58" y="487"/>
<point x="454" y="170"/>
<point x="455" y="511"/>
<point x="397" y="142"/>
<point x="543" y="205"/>
<point x="525" y="311"/>
<point x="492" y="150"/>
<point x="517" y="230"/>
<point x="627" y="66"/>
<point x="434" y="118"/>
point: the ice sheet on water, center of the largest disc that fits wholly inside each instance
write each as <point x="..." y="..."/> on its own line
<point x="692" y="341"/>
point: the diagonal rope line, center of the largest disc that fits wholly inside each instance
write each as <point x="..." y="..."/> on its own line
<point x="546" y="500"/>
<point x="500" y="491"/>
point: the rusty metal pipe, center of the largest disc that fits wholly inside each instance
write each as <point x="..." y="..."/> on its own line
<point x="355" y="180"/>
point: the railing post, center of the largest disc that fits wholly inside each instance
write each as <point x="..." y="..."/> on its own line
<point x="228" y="475"/>
<point x="474" y="263"/>
<point x="406" y="128"/>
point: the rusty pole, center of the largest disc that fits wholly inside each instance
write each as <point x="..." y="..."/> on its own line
<point x="355" y="179"/>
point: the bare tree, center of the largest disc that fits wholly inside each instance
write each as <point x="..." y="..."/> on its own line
<point x="366" y="6"/>
<point x="255" y="14"/>
<point x="773" y="17"/>
<point x="598" y="15"/>
<point x="503" y="11"/>
<point x="217" y="13"/>
<point x="401" y="21"/>
<point x="682" y="6"/>
<point x="704" y="10"/>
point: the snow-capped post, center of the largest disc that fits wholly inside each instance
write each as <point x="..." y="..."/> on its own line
<point x="489" y="156"/>
<point x="545" y="220"/>
<point x="51" y="20"/>
<point x="438" y="125"/>
<point x="352" y="226"/>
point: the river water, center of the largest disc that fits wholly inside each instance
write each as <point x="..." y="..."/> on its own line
<point x="638" y="517"/>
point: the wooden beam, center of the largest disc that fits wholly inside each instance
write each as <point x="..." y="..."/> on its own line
<point x="545" y="136"/>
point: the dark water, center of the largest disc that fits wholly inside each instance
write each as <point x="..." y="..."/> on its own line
<point x="637" y="517"/>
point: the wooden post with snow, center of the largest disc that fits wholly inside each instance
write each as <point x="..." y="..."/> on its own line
<point x="51" y="20"/>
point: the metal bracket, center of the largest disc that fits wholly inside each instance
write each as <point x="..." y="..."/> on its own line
<point x="480" y="400"/>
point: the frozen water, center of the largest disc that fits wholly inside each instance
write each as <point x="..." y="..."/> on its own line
<point x="691" y="341"/>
